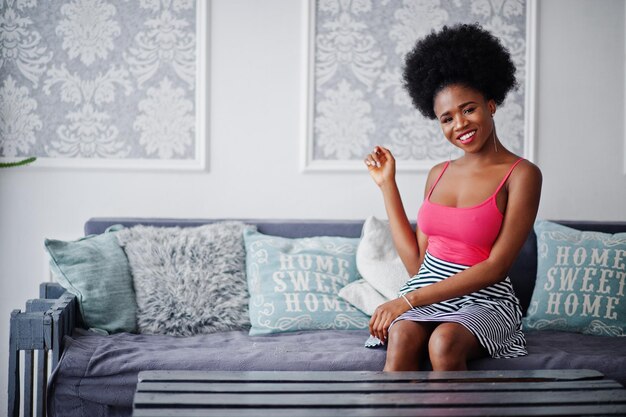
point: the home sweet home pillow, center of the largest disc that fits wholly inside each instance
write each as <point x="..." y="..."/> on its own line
<point x="581" y="281"/>
<point x="294" y="283"/>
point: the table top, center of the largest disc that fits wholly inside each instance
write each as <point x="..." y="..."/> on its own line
<point x="363" y="393"/>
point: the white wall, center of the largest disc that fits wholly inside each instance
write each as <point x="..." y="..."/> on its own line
<point x="580" y="109"/>
<point x="255" y="120"/>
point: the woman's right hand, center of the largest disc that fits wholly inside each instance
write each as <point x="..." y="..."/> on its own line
<point x="384" y="315"/>
<point x="381" y="165"/>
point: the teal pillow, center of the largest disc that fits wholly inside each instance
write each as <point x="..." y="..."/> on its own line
<point x="95" y="269"/>
<point x="581" y="280"/>
<point x="294" y="283"/>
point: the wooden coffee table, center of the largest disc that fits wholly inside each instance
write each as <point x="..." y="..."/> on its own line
<point x="346" y="393"/>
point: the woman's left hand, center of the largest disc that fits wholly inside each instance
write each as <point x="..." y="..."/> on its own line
<point x="384" y="315"/>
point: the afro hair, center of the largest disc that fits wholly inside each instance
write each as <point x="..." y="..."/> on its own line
<point x="461" y="54"/>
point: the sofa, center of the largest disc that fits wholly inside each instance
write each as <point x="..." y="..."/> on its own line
<point x="95" y="374"/>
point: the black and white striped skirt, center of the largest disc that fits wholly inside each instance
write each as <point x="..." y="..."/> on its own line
<point x="492" y="314"/>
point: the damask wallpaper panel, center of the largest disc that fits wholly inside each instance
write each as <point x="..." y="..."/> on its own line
<point x="356" y="99"/>
<point x="104" y="83"/>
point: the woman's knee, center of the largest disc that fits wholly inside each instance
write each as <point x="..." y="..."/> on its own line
<point x="449" y="347"/>
<point x="403" y="333"/>
<point x="405" y="345"/>
<point x="442" y="341"/>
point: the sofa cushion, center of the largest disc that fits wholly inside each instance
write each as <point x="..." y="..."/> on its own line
<point x="92" y="361"/>
<point x="565" y="350"/>
<point x="581" y="279"/>
<point x="188" y="280"/>
<point x="294" y="283"/>
<point x="95" y="269"/>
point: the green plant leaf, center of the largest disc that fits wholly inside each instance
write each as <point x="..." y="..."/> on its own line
<point x="17" y="163"/>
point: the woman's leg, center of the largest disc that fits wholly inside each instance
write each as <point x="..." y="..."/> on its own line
<point x="406" y="344"/>
<point x="451" y="345"/>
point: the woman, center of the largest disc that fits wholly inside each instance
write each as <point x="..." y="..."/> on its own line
<point x="477" y="212"/>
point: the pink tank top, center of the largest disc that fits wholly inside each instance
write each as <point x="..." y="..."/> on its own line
<point x="462" y="235"/>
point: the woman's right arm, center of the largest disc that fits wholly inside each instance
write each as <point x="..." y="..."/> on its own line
<point x="382" y="168"/>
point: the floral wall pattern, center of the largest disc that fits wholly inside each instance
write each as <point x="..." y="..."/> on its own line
<point x="359" y="101"/>
<point x="98" y="79"/>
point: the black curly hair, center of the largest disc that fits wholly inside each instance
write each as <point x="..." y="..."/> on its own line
<point x="461" y="54"/>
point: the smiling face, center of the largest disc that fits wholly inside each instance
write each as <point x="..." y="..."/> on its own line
<point x="466" y="117"/>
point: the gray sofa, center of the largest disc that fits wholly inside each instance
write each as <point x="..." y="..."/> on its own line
<point x="95" y="375"/>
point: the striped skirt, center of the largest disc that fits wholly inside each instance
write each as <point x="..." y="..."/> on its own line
<point x="492" y="314"/>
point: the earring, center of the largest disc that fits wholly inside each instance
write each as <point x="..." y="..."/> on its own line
<point x="493" y="133"/>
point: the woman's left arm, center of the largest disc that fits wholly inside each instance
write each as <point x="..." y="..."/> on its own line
<point x="524" y="190"/>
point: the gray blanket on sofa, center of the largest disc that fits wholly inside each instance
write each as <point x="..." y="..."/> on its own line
<point x="97" y="375"/>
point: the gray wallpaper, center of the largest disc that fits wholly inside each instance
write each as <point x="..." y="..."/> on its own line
<point x="359" y="100"/>
<point x="98" y="79"/>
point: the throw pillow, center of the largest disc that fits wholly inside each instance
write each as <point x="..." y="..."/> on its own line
<point x="363" y="296"/>
<point x="188" y="280"/>
<point x="95" y="269"/>
<point x="294" y="283"/>
<point x="377" y="259"/>
<point x="581" y="279"/>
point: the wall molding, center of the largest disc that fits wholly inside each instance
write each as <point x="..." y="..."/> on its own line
<point x="197" y="161"/>
<point x="308" y="163"/>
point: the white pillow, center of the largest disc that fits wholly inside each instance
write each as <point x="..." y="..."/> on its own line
<point x="377" y="260"/>
<point x="362" y="295"/>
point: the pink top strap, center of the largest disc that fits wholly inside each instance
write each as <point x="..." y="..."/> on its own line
<point x="506" y="177"/>
<point x="438" y="178"/>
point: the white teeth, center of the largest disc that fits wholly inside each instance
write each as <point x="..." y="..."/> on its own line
<point x="467" y="136"/>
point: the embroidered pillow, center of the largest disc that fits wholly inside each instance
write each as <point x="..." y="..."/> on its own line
<point x="581" y="280"/>
<point x="294" y="283"/>
<point x="188" y="280"/>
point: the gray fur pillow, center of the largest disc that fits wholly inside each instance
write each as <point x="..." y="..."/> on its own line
<point x="188" y="280"/>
